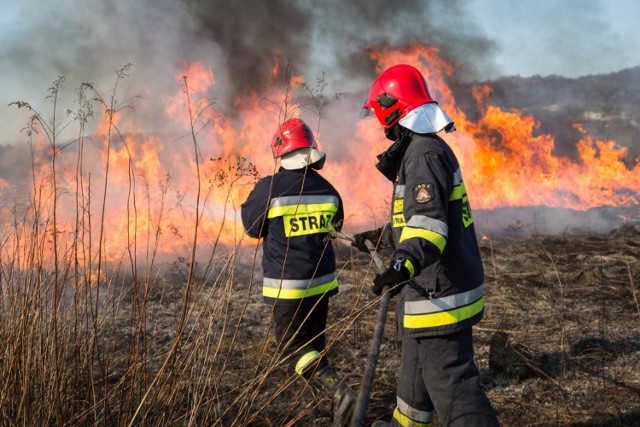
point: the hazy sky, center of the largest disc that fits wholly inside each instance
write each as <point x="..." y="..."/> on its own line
<point x="570" y="38"/>
<point x="86" y="40"/>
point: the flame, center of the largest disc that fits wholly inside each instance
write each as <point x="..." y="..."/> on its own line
<point x="504" y="164"/>
<point x="509" y="166"/>
<point x="155" y="192"/>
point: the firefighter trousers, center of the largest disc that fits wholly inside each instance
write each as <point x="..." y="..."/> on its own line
<point x="439" y="373"/>
<point x="299" y="332"/>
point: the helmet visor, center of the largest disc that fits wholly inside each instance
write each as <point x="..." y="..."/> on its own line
<point x="367" y="109"/>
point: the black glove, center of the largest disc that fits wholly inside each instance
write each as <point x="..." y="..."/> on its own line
<point x="397" y="274"/>
<point x="358" y="239"/>
<point x="381" y="238"/>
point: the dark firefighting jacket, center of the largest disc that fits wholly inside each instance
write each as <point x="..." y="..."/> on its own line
<point x="293" y="211"/>
<point x="434" y="237"/>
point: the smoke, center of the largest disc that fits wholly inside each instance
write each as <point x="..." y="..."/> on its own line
<point x="86" y="40"/>
<point x="350" y="27"/>
<point x="253" y="35"/>
<point x="331" y="36"/>
<point x="541" y="220"/>
<point x="241" y="42"/>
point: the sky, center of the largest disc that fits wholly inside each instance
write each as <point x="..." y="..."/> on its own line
<point x="570" y="38"/>
<point x="86" y="40"/>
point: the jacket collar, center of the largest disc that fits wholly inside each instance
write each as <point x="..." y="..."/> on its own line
<point x="389" y="161"/>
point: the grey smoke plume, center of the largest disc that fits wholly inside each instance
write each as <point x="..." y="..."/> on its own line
<point x="85" y="40"/>
<point x="332" y="36"/>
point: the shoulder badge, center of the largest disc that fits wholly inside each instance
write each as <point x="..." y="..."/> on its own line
<point x="423" y="193"/>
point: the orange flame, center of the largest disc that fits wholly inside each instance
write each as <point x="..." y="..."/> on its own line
<point x="155" y="187"/>
<point x="511" y="167"/>
<point x="504" y="164"/>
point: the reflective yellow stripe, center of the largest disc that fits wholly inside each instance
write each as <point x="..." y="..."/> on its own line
<point x="303" y="219"/>
<point x="301" y="209"/>
<point x="313" y="223"/>
<point x="443" y="318"/>
<point x="398" y="205"/>
<point x="406" y="421"/>
<point x="409" y="266"/>
<point x="398" y="220"/>
<point x="457" y="192"/>
<point x="446" y="303"/>
<point x="306" y="360"/>
<point x="298" y="293"/>
<point x="467" y="216"/>
<point x="437" y="239"/>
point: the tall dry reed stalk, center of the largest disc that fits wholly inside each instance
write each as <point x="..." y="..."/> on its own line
<point x="89" y="339"/>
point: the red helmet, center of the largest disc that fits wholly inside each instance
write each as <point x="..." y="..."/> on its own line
<point x="397" y="91"/>
<point x="292" y="135"/>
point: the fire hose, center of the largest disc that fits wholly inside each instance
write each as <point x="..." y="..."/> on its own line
<point x="364" y="391"/>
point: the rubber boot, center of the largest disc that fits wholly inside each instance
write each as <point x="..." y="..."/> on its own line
<point x="343" y="399"/>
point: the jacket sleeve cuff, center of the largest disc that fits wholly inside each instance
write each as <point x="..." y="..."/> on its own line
<point x="410" y="268"/>
<point x="408" y="264"/>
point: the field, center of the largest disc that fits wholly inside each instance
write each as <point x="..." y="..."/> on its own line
<point x="560" y="342"/>
<point x="108" y="318"/>
<point x="559" y="345"/>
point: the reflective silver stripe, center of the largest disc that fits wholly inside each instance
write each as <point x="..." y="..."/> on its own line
<point x="302" y="200"/>
<point x="428" y="223"/>
<point x="414" y="414"/>
<point x="399" y="194"/>
<point x="445" y="303"/>
<point x="457" y="177"/>
<point x="299" y="283"/>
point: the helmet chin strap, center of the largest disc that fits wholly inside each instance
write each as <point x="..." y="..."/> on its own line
<point x="394" y="132"/>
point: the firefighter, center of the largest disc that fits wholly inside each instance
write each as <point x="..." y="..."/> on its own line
<point x="293" y="211"/>
<point x="435" y="269"/>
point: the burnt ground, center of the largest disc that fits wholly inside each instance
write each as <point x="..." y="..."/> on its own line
<point x="570" y="305"/>
<point x="559" y="344"/>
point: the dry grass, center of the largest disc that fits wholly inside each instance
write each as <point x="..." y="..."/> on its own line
<point x="140" y="341"/>
<point x="565" y="302"/>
